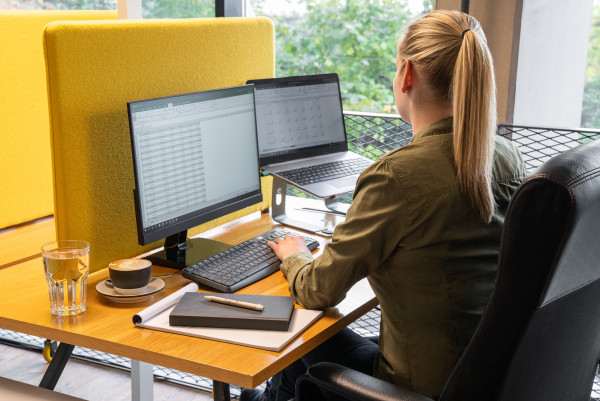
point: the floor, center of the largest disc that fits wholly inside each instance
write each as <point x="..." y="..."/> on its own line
<point x="86" y="380"/>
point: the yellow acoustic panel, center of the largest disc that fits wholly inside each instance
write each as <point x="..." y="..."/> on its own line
<point x="94" y="69"/>
<point x="25" y="169"/>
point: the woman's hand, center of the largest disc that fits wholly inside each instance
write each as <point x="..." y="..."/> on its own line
<point x="287" y="246"/>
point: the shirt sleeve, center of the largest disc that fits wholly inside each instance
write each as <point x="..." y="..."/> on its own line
<point x="374" y="226"/>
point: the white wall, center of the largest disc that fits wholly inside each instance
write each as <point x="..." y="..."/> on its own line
<point x="540" y="55"/>
<point x="552" y="57"/>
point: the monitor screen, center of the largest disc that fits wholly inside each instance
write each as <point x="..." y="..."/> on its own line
<point x="195" y="159"/>
<point x="298" y="117"/>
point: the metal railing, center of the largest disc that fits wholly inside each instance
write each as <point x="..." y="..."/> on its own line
<point x="538" y="144"/>
<point x="375" y="134"/>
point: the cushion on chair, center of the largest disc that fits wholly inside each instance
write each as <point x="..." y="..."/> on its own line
<point x="94" y="69"/>
<point x="353" y="385"/>
<point x="25" y="167"/>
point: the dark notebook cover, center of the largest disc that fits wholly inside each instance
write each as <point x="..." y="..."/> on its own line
<point x="193" y="310"/>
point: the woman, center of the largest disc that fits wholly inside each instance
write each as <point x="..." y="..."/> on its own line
<point x="425" y="222"/>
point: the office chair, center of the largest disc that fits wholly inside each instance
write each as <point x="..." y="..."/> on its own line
<point x="539" y="338"/>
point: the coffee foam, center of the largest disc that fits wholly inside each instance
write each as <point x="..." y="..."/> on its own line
<point x="130" y="264"/>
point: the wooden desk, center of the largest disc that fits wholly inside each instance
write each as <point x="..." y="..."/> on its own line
<point x="24" y="242"/>
<point x="108" y="327"/>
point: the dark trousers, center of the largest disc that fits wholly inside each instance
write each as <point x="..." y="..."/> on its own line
<point x="345" y="348"/>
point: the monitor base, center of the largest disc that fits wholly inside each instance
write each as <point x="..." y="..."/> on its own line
<point x="179" y="256"/>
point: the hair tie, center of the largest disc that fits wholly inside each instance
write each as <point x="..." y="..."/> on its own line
<point x="463" y="33"/>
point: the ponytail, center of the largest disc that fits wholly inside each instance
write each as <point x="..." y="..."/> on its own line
<point x="450" y="48"/>
<point x="474" y="105"/>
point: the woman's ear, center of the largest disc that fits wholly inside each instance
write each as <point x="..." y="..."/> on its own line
<point x="407" y="78"/>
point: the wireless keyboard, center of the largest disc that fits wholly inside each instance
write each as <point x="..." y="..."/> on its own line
<point x="242" y="264"/>
<point x="325" y="171"/>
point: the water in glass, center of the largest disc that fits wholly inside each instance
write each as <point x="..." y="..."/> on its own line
<point x="66" y="264"/>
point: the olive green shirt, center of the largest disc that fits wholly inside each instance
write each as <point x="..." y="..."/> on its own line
<point x="429" y="258"/>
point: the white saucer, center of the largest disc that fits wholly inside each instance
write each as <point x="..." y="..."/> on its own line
<point x="155" y="285"/>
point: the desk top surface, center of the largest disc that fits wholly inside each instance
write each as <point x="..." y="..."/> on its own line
<point x="107" y="326"/>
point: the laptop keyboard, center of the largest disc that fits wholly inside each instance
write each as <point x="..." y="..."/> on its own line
<point x="242" y="264"/>
<point x="325" y="171"/>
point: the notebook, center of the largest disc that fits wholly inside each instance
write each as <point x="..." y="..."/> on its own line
<point x="194" y="310"/>
<point x="302" y="135"/>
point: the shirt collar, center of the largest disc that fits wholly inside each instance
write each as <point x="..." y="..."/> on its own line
<point x="443" y="126"/>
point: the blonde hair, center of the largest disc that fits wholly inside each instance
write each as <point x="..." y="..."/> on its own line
<point x="450" y="49"/>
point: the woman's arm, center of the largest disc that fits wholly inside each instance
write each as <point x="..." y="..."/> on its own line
<point x="374" y="226"/>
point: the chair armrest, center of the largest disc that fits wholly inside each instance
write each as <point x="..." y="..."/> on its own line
<point x="358" y="386"/>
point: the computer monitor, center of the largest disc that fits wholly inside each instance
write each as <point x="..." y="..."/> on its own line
<point x="195" y="158"/>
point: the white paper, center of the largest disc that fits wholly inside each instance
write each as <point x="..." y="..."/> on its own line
<point x="142" y="316"/>
<point x="156" y="317"/>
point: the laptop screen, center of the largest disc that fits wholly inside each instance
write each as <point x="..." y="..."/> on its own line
<point x="298" y="117"/>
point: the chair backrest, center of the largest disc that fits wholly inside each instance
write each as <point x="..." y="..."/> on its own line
<point x="539" y="338"/>
<point x="25" y="166"/>
<point x="94" y="69"/>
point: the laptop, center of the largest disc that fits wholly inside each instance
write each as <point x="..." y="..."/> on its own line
<point x="302" y="135"/>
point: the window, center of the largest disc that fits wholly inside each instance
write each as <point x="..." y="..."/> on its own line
<point x="355" y="38"/>
<point x="590" y="115"/>
<point x="150" y="8"/>
<point x="59" y="4"/>
<point x="178" y="8"/>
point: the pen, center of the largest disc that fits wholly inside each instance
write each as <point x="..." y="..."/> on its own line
<point x="233" y="302"/>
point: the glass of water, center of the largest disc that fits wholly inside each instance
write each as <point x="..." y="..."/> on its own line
<point x="66" y="264"/>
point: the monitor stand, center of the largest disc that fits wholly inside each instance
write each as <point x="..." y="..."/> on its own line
<point x="279" y="214"/>
<point x="181" y="251"/>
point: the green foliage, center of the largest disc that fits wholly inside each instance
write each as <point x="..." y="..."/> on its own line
<point x="178" y="8"/>
<point x="59" y="4"/>
<point x="355" y="38"/>
<point x="150" y="8"/>
<point x="590" y="116"/>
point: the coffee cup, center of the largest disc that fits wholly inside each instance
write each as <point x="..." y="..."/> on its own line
<point x="129" y="276"/>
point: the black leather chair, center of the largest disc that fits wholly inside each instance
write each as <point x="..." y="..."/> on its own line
<point x="539" y="338"/>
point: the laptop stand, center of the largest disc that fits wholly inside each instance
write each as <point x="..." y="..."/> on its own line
<point x="279" y="214"/>
<point x="333" y="205"/>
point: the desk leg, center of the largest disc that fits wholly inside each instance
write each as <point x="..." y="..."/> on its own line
<point x="56" y="366"/>
<point x="142" y="380"/>
<point x="221" y="391"/>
